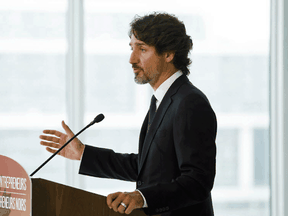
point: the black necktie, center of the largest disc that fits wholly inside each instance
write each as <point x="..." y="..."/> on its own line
<point x="152" y="111"/>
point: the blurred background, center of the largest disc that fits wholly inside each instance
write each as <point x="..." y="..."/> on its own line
<point x="61" y="62"/>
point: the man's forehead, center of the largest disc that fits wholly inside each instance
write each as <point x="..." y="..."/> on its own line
<point x="136" y="42"/>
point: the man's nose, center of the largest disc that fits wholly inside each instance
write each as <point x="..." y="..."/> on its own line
<point x="133" y="58"/>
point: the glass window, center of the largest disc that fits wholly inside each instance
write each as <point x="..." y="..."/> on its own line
<point x="261" y="152"/>
<point x="230" y="65"/>
<point x="32" y="87"/>
<point x="227" y="157"/>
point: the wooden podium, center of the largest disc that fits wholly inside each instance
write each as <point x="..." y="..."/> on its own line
<point x="53" y="199"/>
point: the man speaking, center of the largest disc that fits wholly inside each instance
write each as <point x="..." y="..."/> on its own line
<point x="174" y="169"/>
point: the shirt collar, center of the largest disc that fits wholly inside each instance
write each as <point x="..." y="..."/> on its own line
<point x="163" y="88"/>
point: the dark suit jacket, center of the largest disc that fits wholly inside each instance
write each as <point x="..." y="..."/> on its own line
<point x="175" y="166"/>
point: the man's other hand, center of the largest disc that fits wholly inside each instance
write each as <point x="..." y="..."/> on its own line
<point x="131" y="200"/>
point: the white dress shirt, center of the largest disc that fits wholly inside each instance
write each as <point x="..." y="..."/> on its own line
<point x="163" y="88"/>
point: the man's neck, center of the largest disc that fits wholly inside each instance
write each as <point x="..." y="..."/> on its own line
<point x="163" y="77"/>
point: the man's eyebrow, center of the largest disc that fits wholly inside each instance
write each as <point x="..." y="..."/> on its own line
<point x="138" y="44"/>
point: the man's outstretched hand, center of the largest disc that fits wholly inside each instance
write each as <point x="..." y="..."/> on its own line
<point x="53" y="140"/>
<point x="132" y="200"/>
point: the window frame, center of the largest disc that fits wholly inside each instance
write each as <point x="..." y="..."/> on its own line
<point x="278" y="105"/>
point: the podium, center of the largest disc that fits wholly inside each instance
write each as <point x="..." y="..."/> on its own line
<point x="53" y="199"/>
<point x="48" y="198"/>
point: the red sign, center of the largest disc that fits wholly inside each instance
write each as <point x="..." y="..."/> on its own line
<point x="15" y="189"/>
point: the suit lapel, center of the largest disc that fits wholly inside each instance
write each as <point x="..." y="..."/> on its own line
<point x="146" y="139"/>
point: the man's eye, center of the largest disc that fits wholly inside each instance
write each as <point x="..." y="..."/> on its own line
<point x="143" y="50"/>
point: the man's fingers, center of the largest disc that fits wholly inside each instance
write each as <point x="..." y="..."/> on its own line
<point x="51" y="150"/>
<point x="111" y="198"/>
<point x="53" y="132"/>
<point x="130" y="207"/>
<point x="131" y="201"/>
<point x="128" y="202"/>
<point x="121" y="208"/>
<point x="50" y="138"/>
<point x="116" y="202"/>
<point x="50" y="144"/>
<point x="67" y="129"/>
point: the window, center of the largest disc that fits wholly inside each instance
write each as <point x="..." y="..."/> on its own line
<point x="32" y="61"/>
<point x="230" y="65"/>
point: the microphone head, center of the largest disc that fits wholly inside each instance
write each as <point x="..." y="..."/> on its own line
<point x="98" y="118"/>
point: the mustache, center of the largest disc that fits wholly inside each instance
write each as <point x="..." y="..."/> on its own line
<point x="135" y="66"/>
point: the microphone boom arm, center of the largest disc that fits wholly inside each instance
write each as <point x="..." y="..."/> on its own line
<point x="97" y="119"/>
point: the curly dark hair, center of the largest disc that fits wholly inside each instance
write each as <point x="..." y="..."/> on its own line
<point x="166" y="33"/>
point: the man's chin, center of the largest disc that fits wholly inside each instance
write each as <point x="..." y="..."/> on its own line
<point x="141" y="80"/>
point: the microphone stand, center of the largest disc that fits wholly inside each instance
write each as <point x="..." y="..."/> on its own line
<point x="97" y="119"/>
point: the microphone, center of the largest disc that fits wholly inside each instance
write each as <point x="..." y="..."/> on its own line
<point x="97" y="119"/>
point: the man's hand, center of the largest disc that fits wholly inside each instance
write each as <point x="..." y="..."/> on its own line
<point x="132" y="201"/>
<point x="56" y="139"/>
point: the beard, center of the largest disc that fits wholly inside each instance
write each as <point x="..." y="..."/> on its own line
<point x="138" y="78"/>
<point x="141" y="79"/>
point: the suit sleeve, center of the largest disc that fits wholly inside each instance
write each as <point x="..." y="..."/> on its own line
<point x="105" y="163"/>
<point x="194" y="133"/>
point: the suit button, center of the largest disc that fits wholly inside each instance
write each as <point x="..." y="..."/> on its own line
<point x="139" y="183"/>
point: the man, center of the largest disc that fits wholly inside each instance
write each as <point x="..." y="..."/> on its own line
<point x="175" y="166"/>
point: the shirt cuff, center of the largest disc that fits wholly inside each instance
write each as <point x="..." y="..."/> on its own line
<point x="145" y="203"/>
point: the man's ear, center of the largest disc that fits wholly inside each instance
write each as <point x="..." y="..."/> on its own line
<point x="169" y="56"/>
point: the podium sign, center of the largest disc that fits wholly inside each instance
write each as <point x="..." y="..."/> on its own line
<point x="15" y="189"/>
